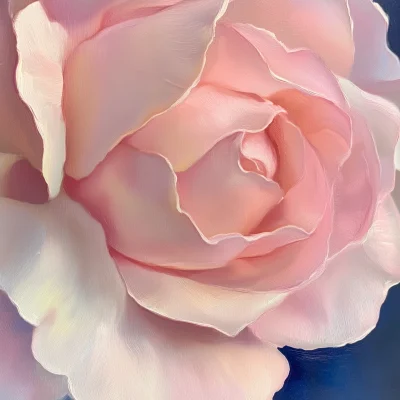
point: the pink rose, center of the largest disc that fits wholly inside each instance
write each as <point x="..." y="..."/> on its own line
<point x="197" y="183"/>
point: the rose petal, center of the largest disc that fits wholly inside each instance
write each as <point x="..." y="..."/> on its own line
<point x="359" y="187"/>
<point x="40" y="46"/>
<point x="65" y="282"/>
<point x="230" y="298"/>
<point x="72" y="13"/>
<point x="341" y="306"/>
<point x="324" y="125"/>
<point x="322" y="26"/>
<point x="226" y="310"/>
<point x="252" y="60"/>
<point x="310" y="75"/>
<point x="22" y="378"/>
<point x="186" y="132"/>
<point x="117" y="69"/>
<point x="18" y="134"/>
<point x="223" y="198"/>
<point x="134" y="195"/>
<point x="160" y="359"/>
<point x="383" y="121"/>
<point x="306" y="201"/>
<point x="373" y="60"/>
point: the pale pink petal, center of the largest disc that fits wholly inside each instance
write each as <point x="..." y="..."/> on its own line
<point x="56" y="268"/>
<point x="99" y="13"/>
<point x="383" y="121"/>
<point x="252" y="60"/>
<point x="121" y="78"/>
<point x="223" y="198"/>
<point x="376" y="68"/>
<point x="324" y="125"/>
<point x="21" y="377"/>
<point x="234" y="63"/>
<point x="285" y="268"/>
<point x="145" y="356"/>
<point x="18" y="134"/>
<point x="322" y="26"/>
<point x="186" y="132"/>
<point x="310" y="75"/>
<point x="259" y="151"/>
<point x="181" y="298"/>
<point x="306" y="201"/>
<point x="40" y="46"/>
<point x="341" y="306"/>
<point x="373" y="61"/>
<point x="134" y="195"/>
<point x="59" y="273"/>
<point x="359" y="187"/>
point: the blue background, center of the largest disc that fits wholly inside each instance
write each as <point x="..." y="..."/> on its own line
<point x="367" y="370"/>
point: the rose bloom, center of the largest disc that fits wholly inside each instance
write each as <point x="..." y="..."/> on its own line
<point x="188" y="185"/>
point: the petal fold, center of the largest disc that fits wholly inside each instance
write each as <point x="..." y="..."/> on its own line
<point x="114" y="84"/>
<point x="342" y="305"/>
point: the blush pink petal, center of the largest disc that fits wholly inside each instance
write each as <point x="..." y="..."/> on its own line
<point x="226" y="310"/>
<point x="310" y="74"/>
<point x="187" y="131"/>
<point x="252" y="60"/>
<point x="283" y="269"/>
<point x="322" y="26"/>
<point x="18" y="134"/>
<point x="358" y="188"/>
<point x="341" y="306"/>
<point x="74" y="13"/>
<point x="40" y="46"/>
<point x="223" y="198"/>
<point x="376" y="68"/>
<point x="325" y="126"/>
<point x="373" y="61"/>
<point x="22" y="377"/>
<point x="134" y="195"/>
<point x="121" y="78"/>
<point x="66" y="284"/>
<point x="233" y="63"/>
<point x="230" y="298"/>
<point x="306" y="201"/>
<point x="383" y="122"/>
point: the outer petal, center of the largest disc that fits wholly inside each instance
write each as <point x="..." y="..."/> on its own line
<point x="383" y="121"/>
<point x="342" y="306"/>
<point x="226" y="310"/>
<point x="186" y="132"/>
<point x="368" y="175"/>
<point x="322" y="26"/>
<point x="131" y="73"/>
<point x="21" y="377"/>
<point x="41" y="45"/>
<point x="374" y="61"/>
<point x="65" y="282"/>
<point x="376" y="68"/>
<point x="18" y="134"/>
<point x="228" y="299"/>
<point x="164" y="360"/>
<point x="252" y="60"/>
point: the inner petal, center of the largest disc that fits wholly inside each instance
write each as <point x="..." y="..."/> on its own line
<point x="221" y="196"/>
<point x="259" y="148"/>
